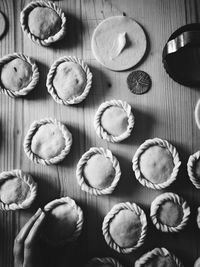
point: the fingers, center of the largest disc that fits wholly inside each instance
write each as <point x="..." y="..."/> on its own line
<point x="18" y="260"/>
<point x="18" y="249"/>
<point x="34" y="231"/>
<point x="30" y="242"/>
<point x="27" y="227"/>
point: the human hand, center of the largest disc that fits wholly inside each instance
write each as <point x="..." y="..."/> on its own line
<point x="26" y="243"/>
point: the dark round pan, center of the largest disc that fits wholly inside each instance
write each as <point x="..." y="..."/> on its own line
<point x="181" y="55"/>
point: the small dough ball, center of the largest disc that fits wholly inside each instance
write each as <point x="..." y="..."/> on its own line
<point x="69" y="80"/>
<point x="99" y="172"/>
<point x="44" y="22"/>
<point x="16" y="74"/>
<point x="14" y="190"/>
<point x="114" y="120"/>
<point x="48" y="141"/>
<point x="125" y="228"/>
<point x="61" y="222"/>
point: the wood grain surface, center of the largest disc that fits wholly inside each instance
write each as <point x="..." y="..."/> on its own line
<point x="166" y="111"/>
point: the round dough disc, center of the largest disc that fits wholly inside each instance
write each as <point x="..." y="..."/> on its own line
<point x="119" y="43"/>
<point x="2" y="24"/>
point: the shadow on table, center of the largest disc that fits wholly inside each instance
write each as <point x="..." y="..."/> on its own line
<point x="183" y="185"/>
<point x="81" y="141"/>
<point x="127" y="185"/>
<point x="144" y="123"/>
<point x="40" y="91"/>
<point x="101" y="85"/>
<point x="48" y="189"/>
<point x="74" y="33"/>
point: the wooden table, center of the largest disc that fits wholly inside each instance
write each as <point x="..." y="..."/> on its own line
<point x="166" y="111"/>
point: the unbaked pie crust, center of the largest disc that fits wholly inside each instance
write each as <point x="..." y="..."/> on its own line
<point x="34" y="78"/>
<point x="182" y="219"/>
<point x="86" y="87"/>
<point x="35" y="126"/>
<point x="112" y="215"/>
<point x="78" y="225"/>
<point x="24" y="22"/>
<point x="85" y="186"/>
<point x="102" y="133"/>
<point x="170" y="155"/>
<point x="21" y="181"/>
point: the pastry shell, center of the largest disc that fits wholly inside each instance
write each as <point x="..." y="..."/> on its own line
<point x="50" y="77"/>
<point x="80" y="166"/>
<point x="27" y="178"/>
<point x="190" y="168"/>
<point x="35" y="77"/>
<point x="51" y="39"/>
<point x="79" y="225"/>
<point x="143" y="260"/>
<point x="31" y="132"/>
<point x="109" y="217"/>
<point x="108" y="260"/>
<point x="136" y="168"/>
<point x="158" y="201"/>
<point x="102" y="133"/>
